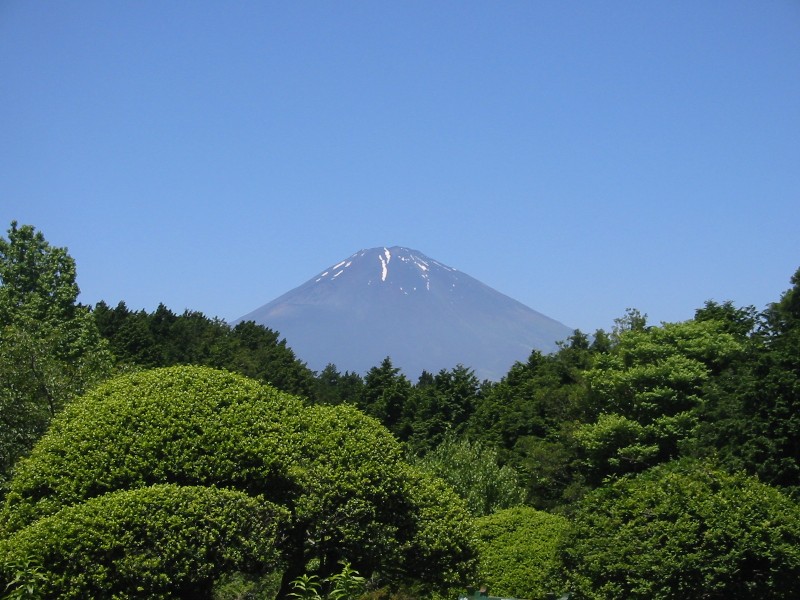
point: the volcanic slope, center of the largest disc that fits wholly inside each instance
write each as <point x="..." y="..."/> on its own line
<point x="397" y="302"/>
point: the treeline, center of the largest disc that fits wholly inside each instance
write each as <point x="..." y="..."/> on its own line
<point x="723" y="384"/>
<point x="139" y="339"/>
<point x="648" y="461"/>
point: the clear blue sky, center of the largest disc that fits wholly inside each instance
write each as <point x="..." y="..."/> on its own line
<point x="580" y="157"/>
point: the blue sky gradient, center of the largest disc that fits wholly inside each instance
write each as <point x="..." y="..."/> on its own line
<point x="580" y="157"/>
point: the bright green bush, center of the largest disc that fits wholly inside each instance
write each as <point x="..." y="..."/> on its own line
<point x="184" y="425"/>
<point x="338" y="472"/>
<point x="518" y="552"/>
<point x="685" y="530"/>
<point x="162" y="541"/>
<point x="348" y="469"/>
<point x="360" y="501"/>
<point x="439" y="546"/>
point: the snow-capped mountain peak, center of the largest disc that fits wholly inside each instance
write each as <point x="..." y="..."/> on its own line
<point x="386" y="265"/>
<point x="398" y="302"/>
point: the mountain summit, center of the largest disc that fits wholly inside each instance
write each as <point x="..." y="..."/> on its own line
<point x="397" y="302"/>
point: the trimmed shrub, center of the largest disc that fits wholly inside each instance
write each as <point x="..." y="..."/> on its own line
<point x="338" y="472"/>
<point x="155" y="542"/>
<point x="183" y="425"/>
<point x="518" y="552"/>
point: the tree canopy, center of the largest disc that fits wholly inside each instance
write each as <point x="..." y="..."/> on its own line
<point x="50" y="348"/>
<point x="139" y="339"/>
<point x="668" y="456"/>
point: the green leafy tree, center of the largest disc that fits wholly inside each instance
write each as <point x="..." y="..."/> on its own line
<point x="441" y="405"/>
<point x="472" y="469"/>
<point x="50" y="348"/>
<point x="518" y="552"/>
<point x="643" y="397"/>
<point x="129" y="334"/>
<point x="752" y="417"/>
<point x="333" y="387"/>
<point x="685" y="530"/>
<point x="530" y="416"/>
<point x="385" y="393"/>
<point x="632" y="320"/>
<point x="741" y="322"/>
<point x="258" y="352"/>
<point x="160" y="339"/>
<point x="439" y="552"/>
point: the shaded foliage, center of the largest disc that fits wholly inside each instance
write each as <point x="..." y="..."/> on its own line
<point x="50" y="348"/>
<point x="163" y="338"/>
<point x="530" y="416"/>
<point x="752" y="416"/>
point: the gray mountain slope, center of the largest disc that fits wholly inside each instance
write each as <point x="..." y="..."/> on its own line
<point x="399" y="303"/>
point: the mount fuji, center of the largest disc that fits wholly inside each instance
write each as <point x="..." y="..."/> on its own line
<point x="397" y="302"/>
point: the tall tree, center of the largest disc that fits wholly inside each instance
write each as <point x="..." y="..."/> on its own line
<point x="50" y="347"/>
<point x="752" y="417"/>
<point x="163" y="338"/>
<point x="530" y="415"/>
<point x="643" y="397"/>
<point x="333" y="387"/>
<point x="385" y="393"/>
<point x="442" y="407"/>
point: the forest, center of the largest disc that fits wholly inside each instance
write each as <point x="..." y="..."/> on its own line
<point x="171" y="455"/>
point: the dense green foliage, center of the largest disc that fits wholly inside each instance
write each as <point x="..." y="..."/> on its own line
<point x="50" y="349"/>
<point x="645" y="440"/>
<point x="685" y="530"/>
<point x="752" y="417"/>
<point x="531" y="415"/>
<point x="161" y="541"/>
<point x="190" y="426"/>
<point x="471" y="468"/>
<point x="338" y="472"/>
<point x="163" y="339"/>
<point x="518" y="552"/>
<point x="643" y="397"/>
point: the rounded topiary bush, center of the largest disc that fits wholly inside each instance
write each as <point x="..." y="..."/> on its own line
<point x="352" y="487"/>
<point x="685" y="530"/>
<point x="162" y="541"/>
<point x="518" y="552"/>
<point x="338" y="472"/>
<point x="183" y="425"/>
